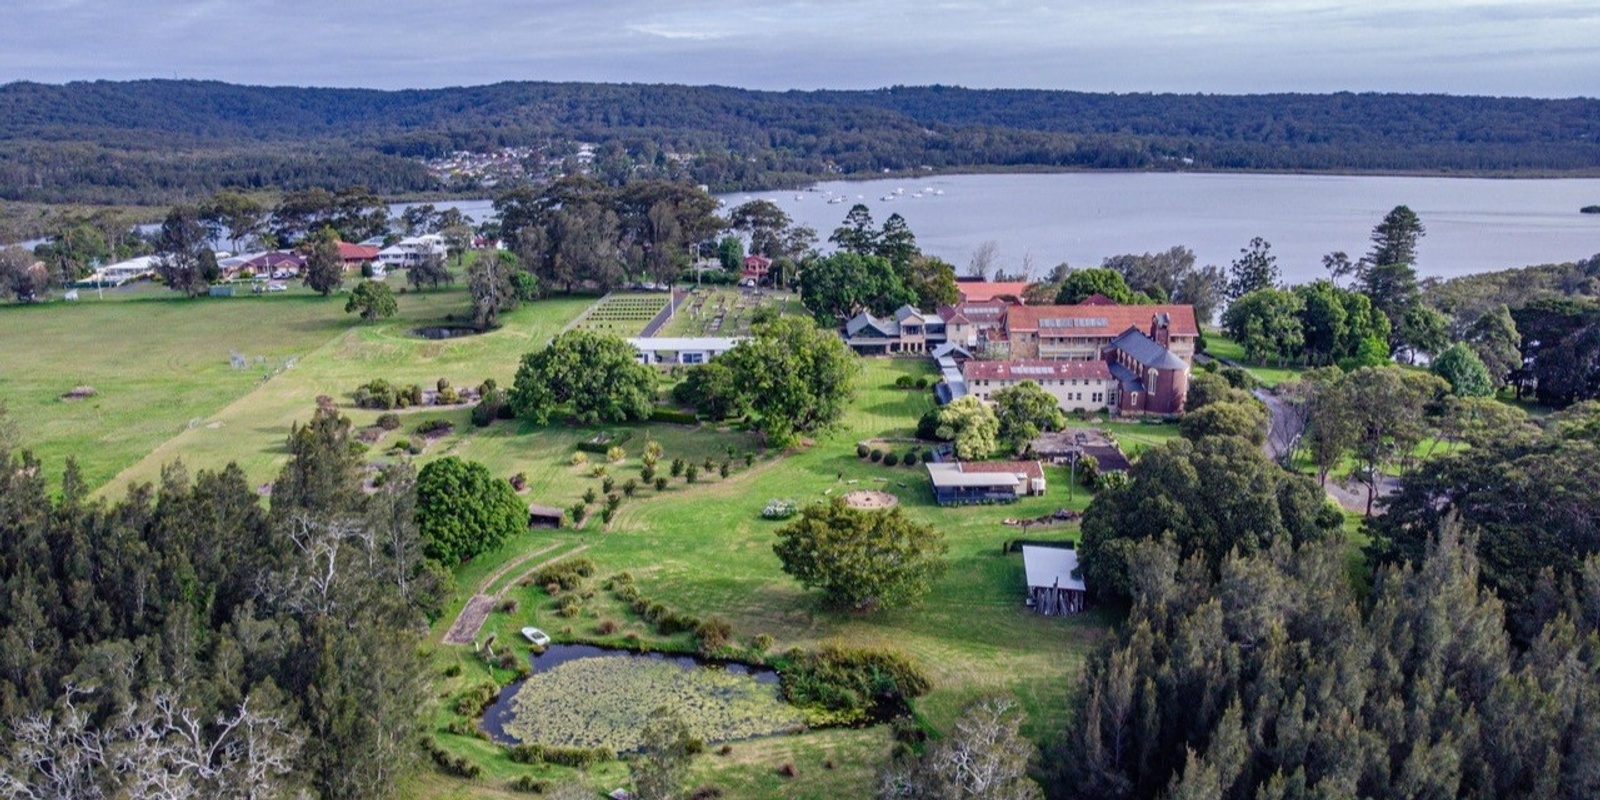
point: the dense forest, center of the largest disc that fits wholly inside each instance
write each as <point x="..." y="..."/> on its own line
<point x="164" y="141"/>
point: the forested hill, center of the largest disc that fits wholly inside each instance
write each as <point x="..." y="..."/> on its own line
<point x="161" y="140"/>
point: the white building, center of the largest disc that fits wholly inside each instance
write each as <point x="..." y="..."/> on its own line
<point x="1052" y="588"/>
<point x="411" y="250"/>
<point x="122" y="272"/>
<point x="682" y="349"/>
<point x="1076" y="385"/>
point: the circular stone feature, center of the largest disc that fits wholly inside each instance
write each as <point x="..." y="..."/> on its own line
<point x="871" y="500"/>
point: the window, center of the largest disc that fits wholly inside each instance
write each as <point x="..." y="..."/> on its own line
<point x="694" y="358"/>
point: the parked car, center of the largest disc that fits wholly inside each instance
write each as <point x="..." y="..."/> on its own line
<point x="536" y="636"/>
<point x="277" y="287"/>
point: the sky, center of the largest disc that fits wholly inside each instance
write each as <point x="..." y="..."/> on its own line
<point x="1538" y="48"/>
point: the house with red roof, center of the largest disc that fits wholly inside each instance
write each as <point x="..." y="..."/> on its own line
<point x="986" y="291"/>
<point x="356" y="256"/>
<point x="755" y="270"/>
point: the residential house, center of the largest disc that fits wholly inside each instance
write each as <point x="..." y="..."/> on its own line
<point x="121" y="272"/>
<point x="967" y="482"/>
<point x="682" y="349"/>
<point x="755" y="270"/>
<point x="411" y="250"/>
<point x="356" y="256"/>
<point x="972" y="324"/>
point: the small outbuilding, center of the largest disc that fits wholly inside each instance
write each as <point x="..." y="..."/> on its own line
<point x="1052" y="588"/>
<point x="545" y="516"/>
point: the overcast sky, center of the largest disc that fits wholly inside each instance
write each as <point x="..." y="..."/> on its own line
<point x="1544" y="48"/>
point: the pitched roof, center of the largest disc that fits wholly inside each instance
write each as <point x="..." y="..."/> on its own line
<point x="1147" y="351"/>
<point x="905" y="312"/>
<point x="356" y="252"/>
<point x="1097" y="321"/>
<point x="980" y="291"/>
<point x="1036" y="370"/>
<point x="990" y="311"/>
<point x="1051" y="566"/>
<point x="757" y="262"/>
<point x="1031" y="469"/>
<point x="863" y="320"/>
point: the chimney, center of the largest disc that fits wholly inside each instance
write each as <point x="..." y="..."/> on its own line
<point x="1161" y="329"/>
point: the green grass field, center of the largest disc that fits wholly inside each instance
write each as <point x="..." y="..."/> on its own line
<point x="1220" y="346"/>
<point x="167" y="391"/>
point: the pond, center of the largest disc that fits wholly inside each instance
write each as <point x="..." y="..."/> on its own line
<point x="587" y="696"/>
<point x="446" y="331"/>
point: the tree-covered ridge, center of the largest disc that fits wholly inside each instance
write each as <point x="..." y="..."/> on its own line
<point x="103" y="140"/>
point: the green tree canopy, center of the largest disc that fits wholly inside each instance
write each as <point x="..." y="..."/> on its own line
<point x="464" y="511"/>
<point x="324" y="267"/>
<point x="1267" y="323"/>
<point x="798" y="377"/>
<point x="1023" y="412"/>
<point x="183" y="260"/>
<point x="373" y="300"/>
<point x="972" y="425"/>
<point x="1394" y="240"/>
<point x="1464" y="371"/>
<point x="713" y="390"/>
<point x="598" y="375"/>
<point x="1255" y="269"/>
<point x="833" y="288"/>
<point x="1494" y="337"/>
<point x="861" y="560"/>
<point x="1080" y="284"/>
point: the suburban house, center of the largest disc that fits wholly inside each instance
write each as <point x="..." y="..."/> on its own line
<point x="991" y="291"/>
<point x="1052" y="589"/>
<point x="755" y="270"/>
<point x="121" y="272"/>
<point x="1076" y="385"/>
<point x="966" y="482"/>
<point x="275" y="264"/>
<point x="355" y="256"/>
<point x="1081" y="331"/>
<point x="682" y="349"/>
<point x="910" y="331"/>
<point x="411" y="250"/>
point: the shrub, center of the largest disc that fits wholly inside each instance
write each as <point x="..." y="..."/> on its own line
<point x="608" y="484"/>
<point x="578" y="511"/>
<point x="401" y="444"/>
<point x="706" y="792"/>
<point x="877" y="455"/>
<point x="904" y="382"/>
<point x="578" y="757"/>
<point x="673" y="416"/>
<point x="928" y="426"/>
<point x="389" y="421"/>
<point x="714" y="634"/>
<point x="761" y="643"/>
<point x="613" y="500"/>
<point x="447" y="397"/>
<point x="589" y="496"/>
<point x="708" y="464"/>
<point x="849" y="684"/>
<point x="413" y="395"/>
<point x="630" y="486"/>
<point x="910" y="459"/>
<point x="508" y="606"/>
<point x="788" y="770"/>
<point x="749" y="459"/>
<point x="652" y="450"/>
<point x="489" y="408"/>
<point x="474" y="700"/>
<point x="678" y="465"/>
<point x="435" y="427"/>
<point x="606" y="627"/>
<point x="607" y="514"/>
<point x="647" y="473"/>
<point x="519" y="481"/>
<point x="724" y="469"/>
<point x="779" y="509"/>
<point x="597" y="470"/>
<point x="579" y="459"/>
<point x="603" y="442"/>
<point x="452" y="671"/>
<point x="862" y="451"/>
<point x="377" y="393"/>
<point x="568" y="605"/>
<point x="567" y="573"/>
<point x="529" y="784"/>
<point x="691" y="474"/>
<point x="661" y="483"/>
<point x="414" y="448"/>
<point x="615" y="454"/>
<point x="922" y="383"/>
<point x="890" y="459"/>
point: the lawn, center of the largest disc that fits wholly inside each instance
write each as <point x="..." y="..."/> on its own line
<point x="704" y="550"/>
<point x="724" y="311"/>
<point x="1220" y="346"/>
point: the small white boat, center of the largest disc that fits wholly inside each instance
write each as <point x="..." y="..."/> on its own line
<point x="938" y="191"/>
<point x="799" y="197"/>
<point x="916" y="194"/>
<point x="536" y="636"/>
<point x="887" y="198"/>
<point x="836" y="200"/>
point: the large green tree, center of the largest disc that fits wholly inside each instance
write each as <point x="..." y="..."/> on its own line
<point x="1494" y="337"/>
<point x="861" y="560"/>
<point x="1464" y="371"/>
<point x="493" y="293"/>
<point x="1255" y="269"/>
<point x="1024" y="411"/>
<point x="1394" y="240"/>
<point x="971" y="425"/>
<point x="1080" y="284"/>
<point x="373" y="300"/>
<point x="464" y="511"/>
<point x="183" y="260"/>
<point x="798" y="377"/>
<point x="713" y="390"/>
<point x="597" y="375"/>
<point x="324" y="267"/>
<point x="1268" y="324"/>
<point x="833" y="288"/>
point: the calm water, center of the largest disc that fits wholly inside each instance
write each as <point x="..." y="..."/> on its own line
<point x="1473" y="225"/>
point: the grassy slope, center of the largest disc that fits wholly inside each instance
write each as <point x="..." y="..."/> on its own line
<point x="706" y="551"/>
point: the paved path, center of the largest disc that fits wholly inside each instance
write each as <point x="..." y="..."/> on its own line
<point x="1283" y="428"/>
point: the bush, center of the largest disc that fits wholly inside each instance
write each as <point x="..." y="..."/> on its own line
<point x="724" y="469"/>
<point x="589" y="496"/>
<point x="762" y="643"/>
<point x="714" y="634"/>
<point x="673" y="416"/>
<point x="779" y="509"/>
<point x="910" y="459"/>
<point x="489" y="408"/>
<point x="519" y="481"/>
<point x="928" y="426"/>
<point x="578" y="757"/>
<point x="922" y="383"/>
<point x="578" y="459"/>
<point x="615" y="454"/>
<point x="876" y="456"/>
<point x="890" y="459"/>
<point x="862" y="451"/>
<point x="630" y="486"/>
<point x="569" y="605"/>
<point x="691" y="474"/>
<point x="850" y="684"/>
<point x="389" y="421"/>
<point x="447" y="397"/>
<point x="435" y="427"/>
<point x="528" y="784"/>
<point x="401" y="444"/>
<point x="474" y="700"/>
<point x="904" y="382"/>
<point x="647" y="473"/>
<point x="578" y="511"/>
<point x="661" y="483"/>
<point x="606" y="627"/>
<point x="608" y="484"/>
<point x="678" y="466"/>
<point x="379" y="394"/>
<point x="442" y="384"/>
<point x="567" y="573"/>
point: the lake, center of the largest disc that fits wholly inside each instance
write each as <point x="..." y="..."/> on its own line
<point x="1473" y="225"/>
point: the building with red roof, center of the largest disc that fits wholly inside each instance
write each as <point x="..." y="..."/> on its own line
<point x="355" y="256"/>
<point x="985" y="291"/>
